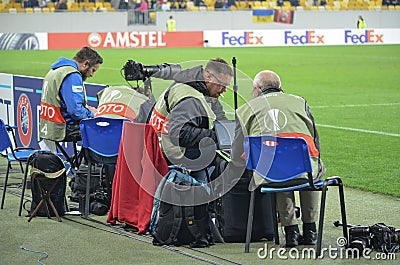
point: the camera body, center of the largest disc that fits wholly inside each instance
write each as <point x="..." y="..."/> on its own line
<point x="137" y="71"/>
<point x="98" y="203"/>
<point x="379" y="237"/>
<point x="360" y="237"/>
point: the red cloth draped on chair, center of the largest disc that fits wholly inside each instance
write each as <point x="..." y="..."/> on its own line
<point x="140" y="168"/>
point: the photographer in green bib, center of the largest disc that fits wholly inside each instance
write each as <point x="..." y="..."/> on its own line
<point x="185" y="113"/>
<point x="64" y="101"/>
<point x="273" y="112"/>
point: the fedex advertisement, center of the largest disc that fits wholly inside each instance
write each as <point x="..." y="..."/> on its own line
<point x="238" y="38"/>
<point x="300" y="37"/>
<point x="304" y="37"/>
<point x="208" y="38"/>
<point x="363" y="36"/>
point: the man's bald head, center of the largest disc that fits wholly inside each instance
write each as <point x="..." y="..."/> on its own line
<point x="265" y="80"/>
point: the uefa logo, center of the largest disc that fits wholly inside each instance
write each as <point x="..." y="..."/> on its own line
<point x="94" y="39"/>
<point x="24" y="119"/>
<point x="276" y="120"/>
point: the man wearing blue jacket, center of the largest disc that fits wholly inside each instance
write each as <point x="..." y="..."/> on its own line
<point x="63" y="103"/>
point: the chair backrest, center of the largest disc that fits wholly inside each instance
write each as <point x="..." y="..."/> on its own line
<point x="102" y="135"/>
<point x="277" y="159"/>
<point x="5" y="141"/>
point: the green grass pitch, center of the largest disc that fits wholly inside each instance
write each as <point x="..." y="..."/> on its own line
<point x="353" y="92"/>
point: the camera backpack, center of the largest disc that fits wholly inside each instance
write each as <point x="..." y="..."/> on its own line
<point x="43" y="163"/>
<point x="231" y="211"/>
<point x="180" y="225"/>
<point x="78" y="182"/>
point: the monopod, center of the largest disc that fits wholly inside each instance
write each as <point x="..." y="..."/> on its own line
<point x="235" y="87"/>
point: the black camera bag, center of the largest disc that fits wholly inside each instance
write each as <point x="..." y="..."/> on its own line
<point x="181" y="225"/>
<point x="78" y="182"/>
<point x="232" y="209"/>
<point x="41" y="163"/>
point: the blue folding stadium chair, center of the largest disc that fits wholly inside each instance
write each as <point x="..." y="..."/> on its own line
<point x="281" y="160"/>
<point x="14" y="153"/>
<point x="100" y="143"/>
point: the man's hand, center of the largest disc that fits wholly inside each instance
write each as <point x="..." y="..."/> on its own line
<point x="93" y="109"/>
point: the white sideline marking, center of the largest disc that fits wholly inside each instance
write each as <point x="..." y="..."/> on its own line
<point x="358" y="130"/>
<point x="356" y="105"/>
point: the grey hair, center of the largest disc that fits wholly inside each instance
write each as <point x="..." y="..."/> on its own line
<point x="267" y="79"/>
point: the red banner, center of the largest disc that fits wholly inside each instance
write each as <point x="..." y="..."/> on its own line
<point x="284" y="16"/>
<point x="133" y="39"/>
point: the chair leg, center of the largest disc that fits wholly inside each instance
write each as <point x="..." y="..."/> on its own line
<point x="5" y="185"/>
<point x="343" y="211"/>
<point x="77" y="156"/>
<point x="45" y="195"/>
<point x="67" y="157"/>
<point x="104" y="172"/>
<point x="23" y="189"/>
<point x="87" y="197"/>
<point x="74" y="160"/>
<point x="33" y="214"/>
<point x="321" y="219"/>
<point x="20" y="165"/>
<point x="46" y="200"/>
<point x="249" y="223"/>
<point x="274" y="218"/>
<point x="54" y="209"/>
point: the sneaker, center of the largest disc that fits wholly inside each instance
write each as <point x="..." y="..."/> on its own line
<point x="292" y="236"/>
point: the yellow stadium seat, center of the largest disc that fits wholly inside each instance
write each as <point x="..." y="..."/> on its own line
<point x="45" y="9"/>
<point x="189" y="6"/>
<point x="29" y="10"/>
<point x="74" y="9"/>
<point x="286" y="4"/>
<point x="256" y="4"/>
<point x="241" y="5"/>
<point x="209" y="3"/>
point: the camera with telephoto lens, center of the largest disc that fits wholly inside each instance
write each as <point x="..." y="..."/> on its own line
<point x="137" y="71"/>
<point x="379" y="237"/>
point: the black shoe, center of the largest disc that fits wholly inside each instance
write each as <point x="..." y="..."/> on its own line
<point x="309" y="234"/>
<point x="292" y="236"/>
